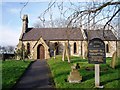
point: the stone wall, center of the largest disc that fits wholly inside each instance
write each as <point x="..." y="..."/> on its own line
<point x="33" y="48"/>
<point x="84" y="49"/>
<point x="111" y="46"/>
<point x="81" y="48"/>
<point x="71" y="46"/>
<point x="118" y="48"/>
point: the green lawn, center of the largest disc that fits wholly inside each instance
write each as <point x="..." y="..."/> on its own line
<point x="11" y="71"/>
<point x="109" y="77"/>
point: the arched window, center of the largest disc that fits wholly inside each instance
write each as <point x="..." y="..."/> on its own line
<point x="107" y="48"/>
<point x="75" y="48"/>
<point x="56" y="47"/>
<point x="28" y="48"/>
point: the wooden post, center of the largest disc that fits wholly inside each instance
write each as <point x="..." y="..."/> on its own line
<point x="63" y="56"/>
<point x="54" y="53"/>
<point x="97" y="75"/>
<point x="98" y="45"/>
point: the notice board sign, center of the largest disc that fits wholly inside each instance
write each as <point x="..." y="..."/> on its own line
<point x="96" y="51"/>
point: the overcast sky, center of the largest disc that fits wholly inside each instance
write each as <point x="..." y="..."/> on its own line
<point x="10" y="27"/>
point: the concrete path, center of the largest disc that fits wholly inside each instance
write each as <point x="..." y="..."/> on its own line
<point x="37" y="76"/>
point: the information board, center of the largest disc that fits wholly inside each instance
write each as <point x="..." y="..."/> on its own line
<point x="96" y="51"/>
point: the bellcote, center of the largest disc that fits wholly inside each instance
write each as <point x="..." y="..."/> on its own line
<point x="25" y="18"/>
<point x="25" y="24"/>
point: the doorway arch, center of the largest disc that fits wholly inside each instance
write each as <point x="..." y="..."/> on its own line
<point x="40" y="52"/>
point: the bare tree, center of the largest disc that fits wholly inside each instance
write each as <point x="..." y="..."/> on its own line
<point x="89" y="15"/>
<point x="11" y="49"/>
<point x="57" y="23"/>
<point x="7" y="49"/>
<point x="4" y="49"/>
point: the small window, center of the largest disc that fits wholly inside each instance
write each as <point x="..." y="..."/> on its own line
<point x="28" y="48"/>
<point x="107" y="48"/>
<point x="56" y="47"/>
<point x="75" y="48"/>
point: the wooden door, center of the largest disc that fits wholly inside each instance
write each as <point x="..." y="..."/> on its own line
<point x="40" y="52"/>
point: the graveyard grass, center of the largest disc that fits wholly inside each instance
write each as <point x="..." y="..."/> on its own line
<point x="11" y="71"/>
<point x="109" y="77"/>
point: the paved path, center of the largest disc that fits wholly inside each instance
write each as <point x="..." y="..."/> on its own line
<point x="37" y="76"/>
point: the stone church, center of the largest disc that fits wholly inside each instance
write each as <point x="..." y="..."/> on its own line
<point x="40" y="42"/>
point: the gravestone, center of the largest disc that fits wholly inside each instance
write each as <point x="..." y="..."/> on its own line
<point x="76" y="66"/>
<point x="74" y="76"/>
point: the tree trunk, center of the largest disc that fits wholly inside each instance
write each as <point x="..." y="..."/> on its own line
<point x="66" y="52"/>
<point x="113" y="62"/>
<point x="23" y="55"/>
<point x="54" y="53"/>
<point x="3" y="56"/>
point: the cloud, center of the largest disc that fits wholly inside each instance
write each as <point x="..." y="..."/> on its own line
<point x="14" y="10"/>
<point x="9" y="35"/>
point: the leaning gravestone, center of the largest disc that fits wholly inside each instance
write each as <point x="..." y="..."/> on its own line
<point x="74" y="76"/>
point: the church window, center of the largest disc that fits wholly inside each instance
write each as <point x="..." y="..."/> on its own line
<point x="107" y="48"/>
<point x="75" y="48"/>
<point x="28" y="48"/>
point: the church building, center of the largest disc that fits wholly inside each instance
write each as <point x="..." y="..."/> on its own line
<point x="41" y="42"/>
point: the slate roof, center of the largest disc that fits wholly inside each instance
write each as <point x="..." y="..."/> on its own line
<point x="109" y="36"/>
<point x="53" y="34"/>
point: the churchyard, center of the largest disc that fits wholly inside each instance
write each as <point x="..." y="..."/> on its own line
<point x="109" y="77"/>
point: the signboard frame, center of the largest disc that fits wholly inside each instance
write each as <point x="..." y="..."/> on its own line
<point x="96" y="51"/>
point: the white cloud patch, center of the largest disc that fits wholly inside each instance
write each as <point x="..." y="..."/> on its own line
<point x="14" y="10"/>
<point x="9" y="36"/>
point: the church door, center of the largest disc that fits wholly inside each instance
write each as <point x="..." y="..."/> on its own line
<point x="40" y="52"/>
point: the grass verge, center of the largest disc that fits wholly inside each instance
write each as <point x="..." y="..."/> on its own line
<point x="11" y="71"/>
<point x="109" y="77"/>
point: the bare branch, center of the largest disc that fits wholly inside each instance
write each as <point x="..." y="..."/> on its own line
<point x="111" y="18"/>
<point x="103" y="6"/>
<point x="25" y="4"/>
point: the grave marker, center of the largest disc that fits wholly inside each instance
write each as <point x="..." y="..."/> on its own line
<point x="96" y="51"/>
<point x="96" y="55"/>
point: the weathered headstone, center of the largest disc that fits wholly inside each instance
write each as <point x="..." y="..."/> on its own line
<point x="74" y="76"/>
